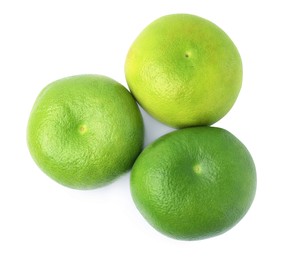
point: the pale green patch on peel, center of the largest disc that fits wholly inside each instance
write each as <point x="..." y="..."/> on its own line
<point x="83" y="129"/>
<point x="197" y="169"/>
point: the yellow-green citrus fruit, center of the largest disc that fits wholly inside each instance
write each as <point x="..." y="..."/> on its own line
<point x="194" y="183"/>
<point x="85" y="130"/>
<point x="184" y="71"/>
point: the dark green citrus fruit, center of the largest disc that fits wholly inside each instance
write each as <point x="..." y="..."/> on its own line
<point x="194" y="183"/>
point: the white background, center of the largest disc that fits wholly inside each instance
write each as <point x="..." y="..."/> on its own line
<point x="42" y="41"/>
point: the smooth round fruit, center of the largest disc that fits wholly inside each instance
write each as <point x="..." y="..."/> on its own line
<point x="85" y="130"/>
<point x="194" y="183"/>
<point x="184" y="71"/>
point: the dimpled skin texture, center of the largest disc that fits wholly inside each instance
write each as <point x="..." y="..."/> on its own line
<point x="85" y="130"/>
<point x="184" y="71"/>
<point x="194" y="183"/>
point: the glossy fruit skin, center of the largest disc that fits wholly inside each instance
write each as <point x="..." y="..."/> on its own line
<point x="194" y="183"/>
<point x="84" y="131"/>
<point x="184" y="71"/>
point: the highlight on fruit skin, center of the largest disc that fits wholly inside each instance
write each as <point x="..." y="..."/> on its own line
<point x="184" y="71"/>
<point x="84" y="131"/>
<point x="194" y="183"/>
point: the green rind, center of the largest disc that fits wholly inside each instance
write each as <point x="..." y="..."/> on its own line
<point x="84" y="131"/>
<point x="187" y="204"/>
<point x="184" y="71"/>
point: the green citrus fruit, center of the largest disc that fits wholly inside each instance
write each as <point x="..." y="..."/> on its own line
<point x="184" y="71"/>
<point x="194" y="183"/>
<point x="85" y="130"/>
